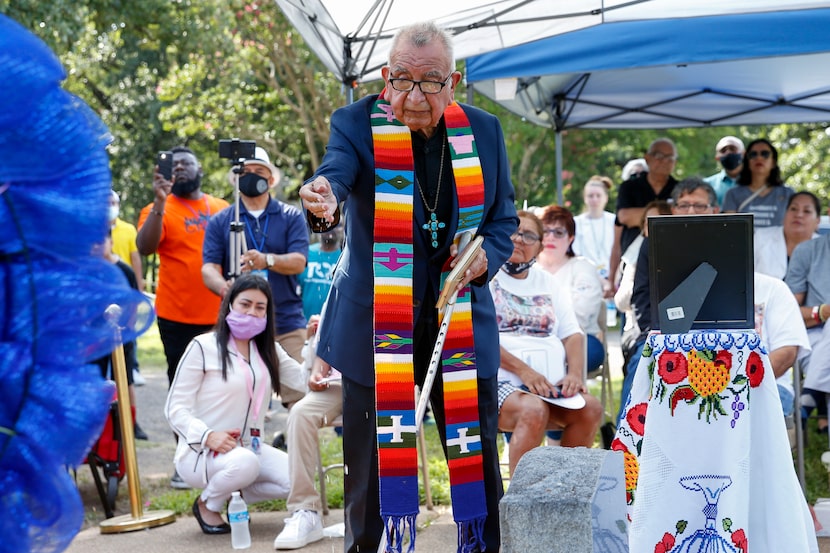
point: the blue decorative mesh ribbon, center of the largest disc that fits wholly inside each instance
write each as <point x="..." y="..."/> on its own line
<point x="54" y="190"/>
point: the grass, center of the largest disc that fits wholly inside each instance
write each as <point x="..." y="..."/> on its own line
<point x="151" y="355"/>
<point x="816" y="475"/>
<point x="150" y="350"/>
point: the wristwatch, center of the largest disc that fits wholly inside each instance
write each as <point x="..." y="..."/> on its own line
<point x="270" y="259"/>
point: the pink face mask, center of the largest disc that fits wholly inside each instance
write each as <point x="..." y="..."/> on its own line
<point x="244" y="326"/>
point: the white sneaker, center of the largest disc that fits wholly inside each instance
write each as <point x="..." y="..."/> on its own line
<point x="138" y="380"/>
<point x="301" y="529"/>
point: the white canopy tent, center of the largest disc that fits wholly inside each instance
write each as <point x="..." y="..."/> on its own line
<point x="352" y="37"/>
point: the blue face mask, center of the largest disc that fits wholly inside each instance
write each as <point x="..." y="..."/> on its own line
<point x="731" y="162"/>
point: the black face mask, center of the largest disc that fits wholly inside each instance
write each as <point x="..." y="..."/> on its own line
<point x="731" y="161"/>
<point x="253" y="185"/>
<point x="183" y="188"/>
<point x="514" y="269"/>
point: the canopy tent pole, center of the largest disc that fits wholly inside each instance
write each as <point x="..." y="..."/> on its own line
<point x="558" y="147"/>
<point x="559" y="118"/>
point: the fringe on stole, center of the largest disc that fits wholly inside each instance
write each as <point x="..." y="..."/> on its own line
<point x="471" y="535"/>
<point x="395" y="527"/>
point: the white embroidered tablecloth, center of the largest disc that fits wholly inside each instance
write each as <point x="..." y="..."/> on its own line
<point x="708" y="466"/>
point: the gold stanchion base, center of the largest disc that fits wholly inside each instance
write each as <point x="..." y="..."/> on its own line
<point x="126" y="523"/>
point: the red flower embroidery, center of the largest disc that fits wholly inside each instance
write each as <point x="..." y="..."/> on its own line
<point x="617" y="445"/>
<point x="672" y="367"/>
<point x="636" y="418"/>
<point x="723" y="357"/>
<point x="665" y="545"/>
<point x="755" y="369"/>
<point x="739" y="539"/>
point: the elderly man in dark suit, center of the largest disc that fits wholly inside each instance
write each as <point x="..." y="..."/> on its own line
<point x="415" y="170"/>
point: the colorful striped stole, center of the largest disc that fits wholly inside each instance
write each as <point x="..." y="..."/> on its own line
<point x="393" y="331"/>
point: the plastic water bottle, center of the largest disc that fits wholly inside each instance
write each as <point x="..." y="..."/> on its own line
<point x="238" y="518"/>
<point x="610" y="313"/>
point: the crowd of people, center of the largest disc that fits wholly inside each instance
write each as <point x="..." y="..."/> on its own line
<point x="352" y="335"/>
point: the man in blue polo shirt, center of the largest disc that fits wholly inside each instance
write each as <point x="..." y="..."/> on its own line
<point x="277" y="241"/>
<point x="729" y="152"/>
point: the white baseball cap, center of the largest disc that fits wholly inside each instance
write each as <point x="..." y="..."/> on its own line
<point x="729" y="141"/>
<point x="261" y="158"/>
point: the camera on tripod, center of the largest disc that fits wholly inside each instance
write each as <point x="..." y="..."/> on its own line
<point x="235" y="149"/>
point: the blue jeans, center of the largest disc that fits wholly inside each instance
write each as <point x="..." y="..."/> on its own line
<point x="787" y="398"/>
<point x="596" y="353"/>
<point x="629" y="376"/>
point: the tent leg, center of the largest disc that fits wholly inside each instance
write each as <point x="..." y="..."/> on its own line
<point x="558" y="142"/>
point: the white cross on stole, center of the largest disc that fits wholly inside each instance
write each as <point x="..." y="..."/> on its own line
<point x="396" y="429"/>
<point x="463" y="440"/>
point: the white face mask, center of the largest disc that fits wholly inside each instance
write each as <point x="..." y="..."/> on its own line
<point x="113" y="212"/>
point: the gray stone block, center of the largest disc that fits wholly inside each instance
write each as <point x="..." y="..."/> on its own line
<point x="569" y="500"/>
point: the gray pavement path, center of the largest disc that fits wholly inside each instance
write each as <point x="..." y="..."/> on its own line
<point x="437" y="534"/>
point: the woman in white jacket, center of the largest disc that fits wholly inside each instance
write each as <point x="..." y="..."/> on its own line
<point x="217" y="404"/>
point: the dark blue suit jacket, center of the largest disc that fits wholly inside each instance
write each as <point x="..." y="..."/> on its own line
<point x="345" y="340"/>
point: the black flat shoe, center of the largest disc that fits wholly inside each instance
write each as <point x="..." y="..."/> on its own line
<point x="223" y="528"/>
<point x="139" y="434"/>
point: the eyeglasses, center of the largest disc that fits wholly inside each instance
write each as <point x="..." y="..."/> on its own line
<point x="527" y="238"/>
<point x="698" y="208"/>
<point x="660" y="156"/>
<point x="427" y="87"/>
<point x="755" y="153"/>
<point x="557" y="232"/>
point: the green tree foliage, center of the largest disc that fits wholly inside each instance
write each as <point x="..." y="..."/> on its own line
<point x="803" y="157"/>
<point x="265" y="86"/>
<point x="163" y="73"/>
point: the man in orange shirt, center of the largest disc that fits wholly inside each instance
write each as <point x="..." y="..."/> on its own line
<point x="174" y="226"/>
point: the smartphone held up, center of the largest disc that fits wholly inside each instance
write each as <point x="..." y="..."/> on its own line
<point x="164" y="160"/>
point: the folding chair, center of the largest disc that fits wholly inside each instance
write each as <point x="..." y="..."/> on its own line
<point x="607" y="430"/>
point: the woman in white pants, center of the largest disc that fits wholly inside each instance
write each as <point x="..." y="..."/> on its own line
<point x="217" y="406"/>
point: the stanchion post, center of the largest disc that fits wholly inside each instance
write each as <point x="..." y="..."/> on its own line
<point x="137" y="519"/>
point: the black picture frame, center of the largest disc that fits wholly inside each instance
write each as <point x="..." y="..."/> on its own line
<point x="680" y="244"/>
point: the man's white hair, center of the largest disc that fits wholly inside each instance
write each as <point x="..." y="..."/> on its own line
<point x="422" y="33"/>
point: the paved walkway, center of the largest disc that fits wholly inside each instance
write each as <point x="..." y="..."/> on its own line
<point x="437" y="535"/>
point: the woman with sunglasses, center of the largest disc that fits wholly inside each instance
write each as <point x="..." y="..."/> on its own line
<point x="541" y="353"/>
<point x="576" y="275"/>
<point x="760" y="190"/>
